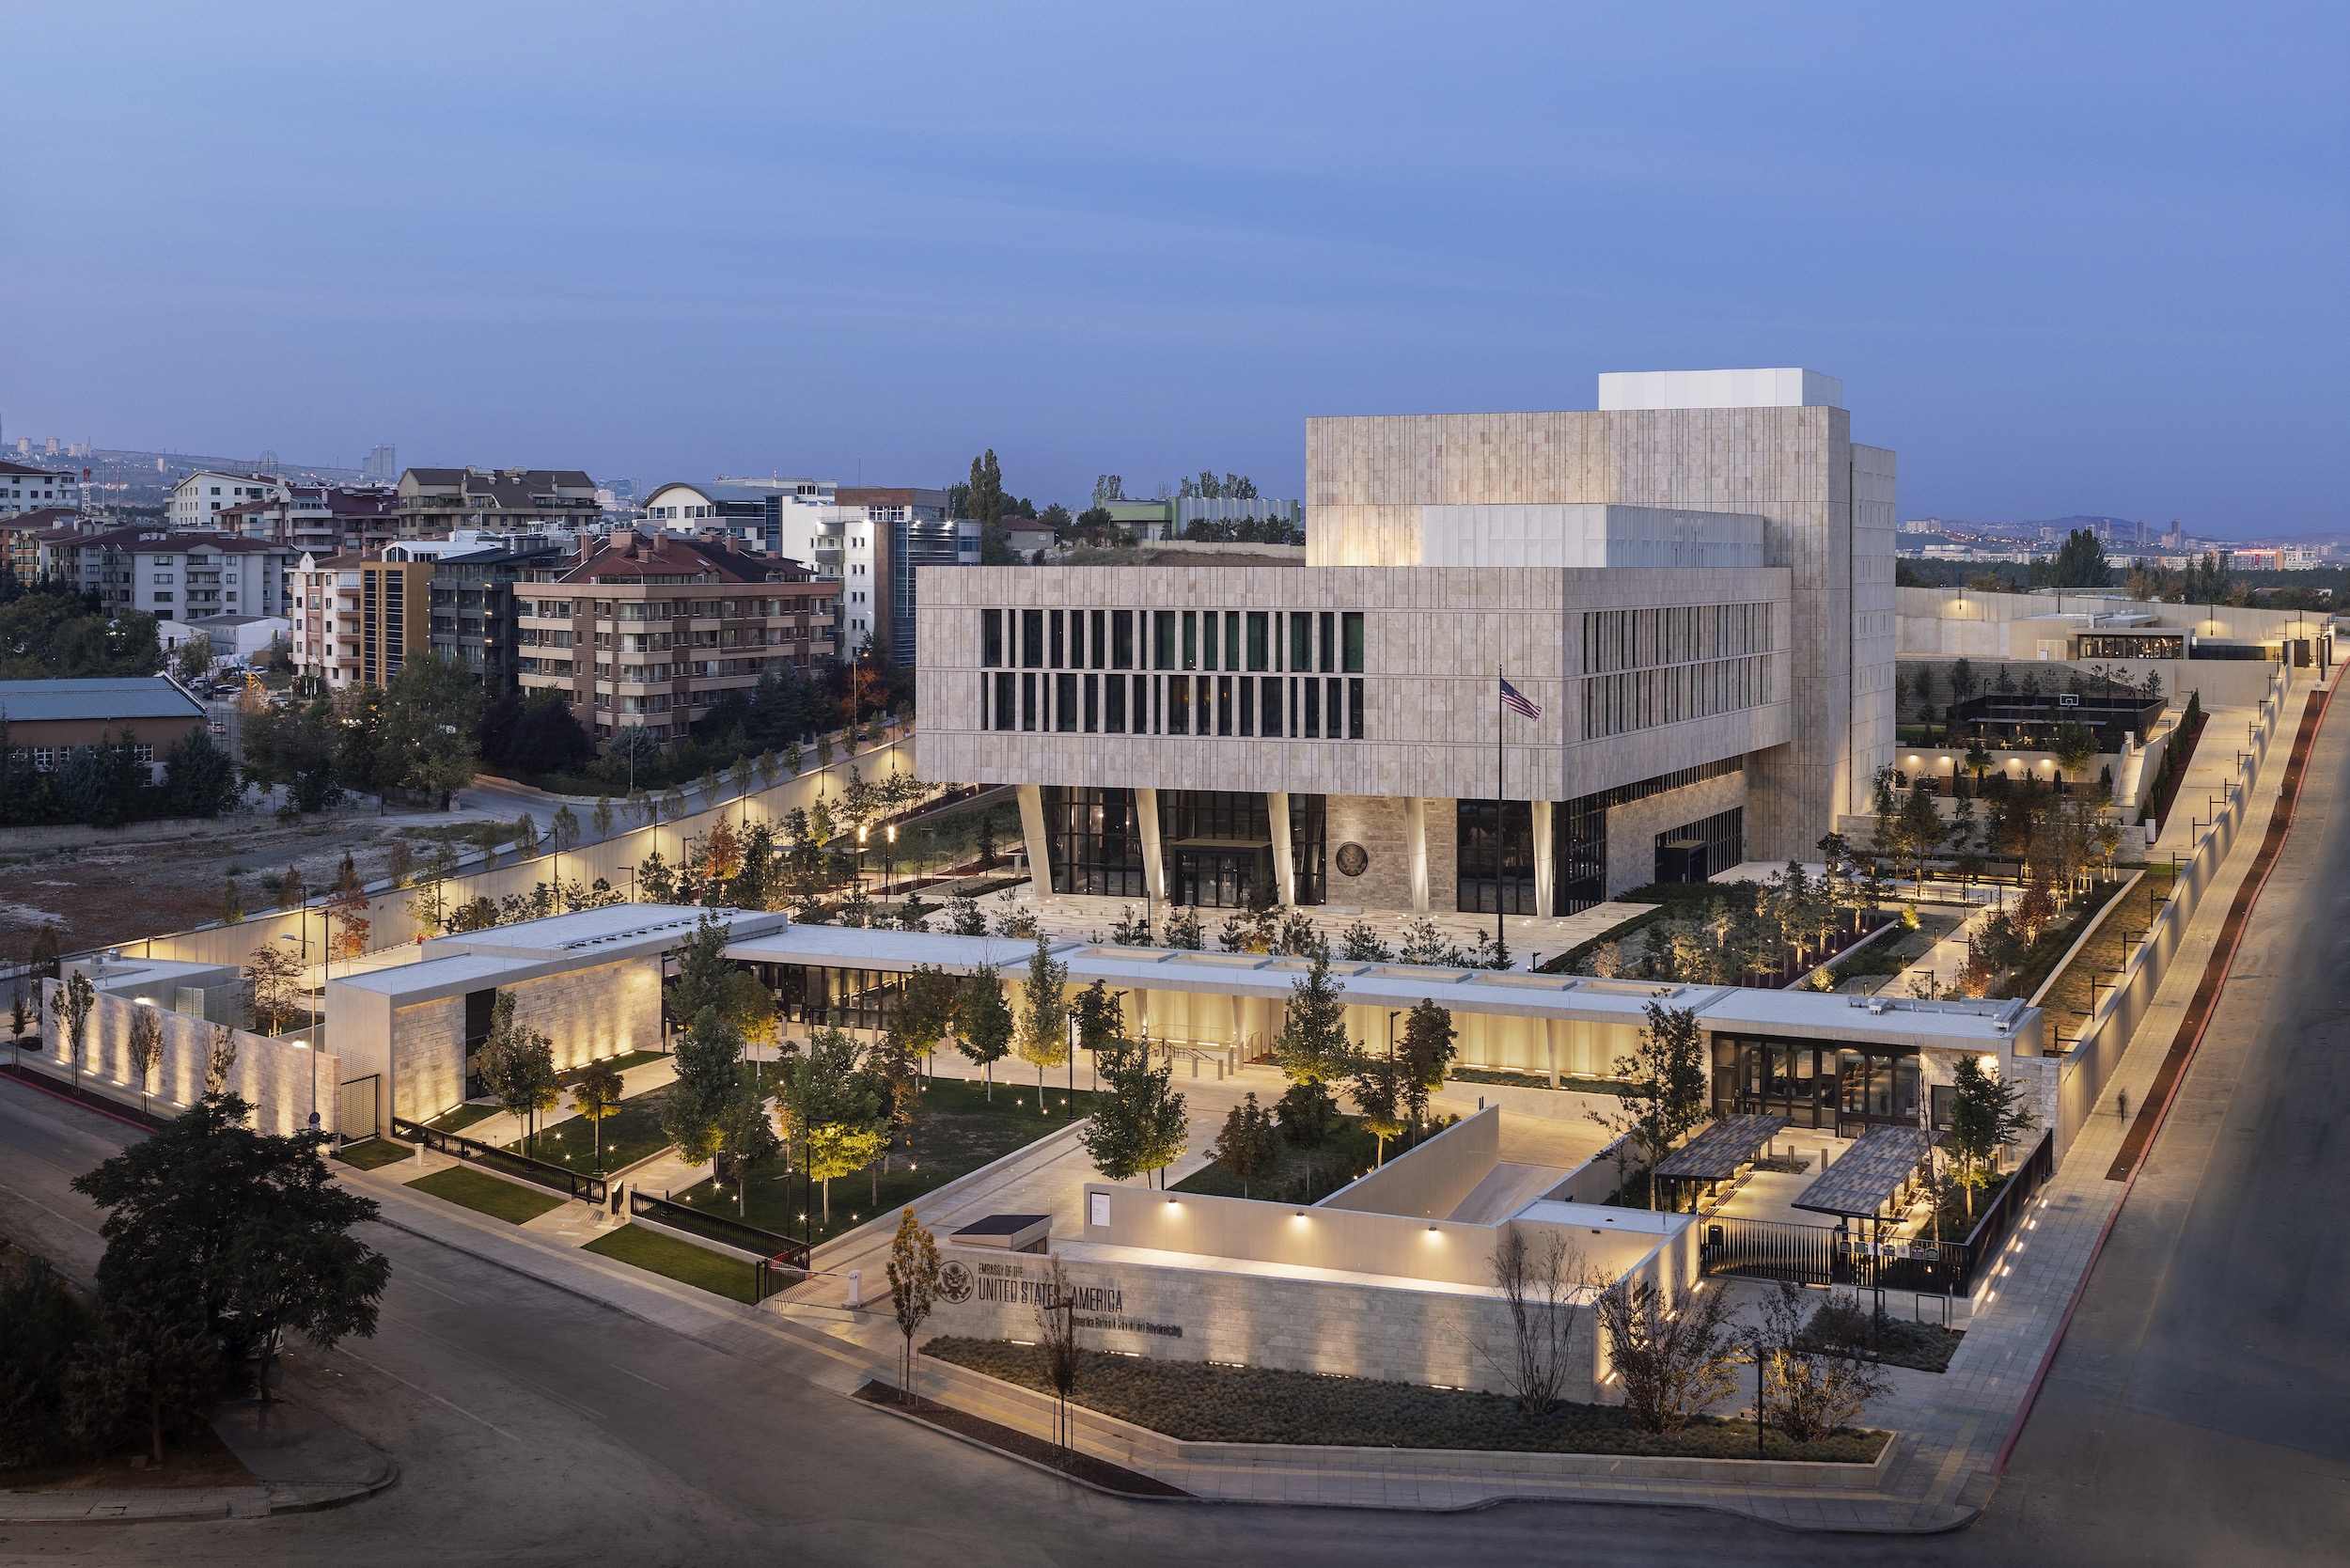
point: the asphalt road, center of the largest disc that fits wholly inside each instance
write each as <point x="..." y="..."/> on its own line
<point x="2195" y="1415"/>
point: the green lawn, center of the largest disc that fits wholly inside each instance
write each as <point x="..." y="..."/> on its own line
<point x="1204" y="1402"/>
<point x="618" y="1064"/>
<point x="630" y="1133"/>
<point x="1513" y="1079"/>
<point x="1347" y="1155"/>
<point x="681" y="1261"/>
<point x="463" y="1117"/>
<point x="958" y="1132"/>
<point x="375" y="1154"/>
<point x="500" y="1199"/>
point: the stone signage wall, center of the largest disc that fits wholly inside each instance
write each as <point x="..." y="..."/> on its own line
<point x="1446" y="1337"/>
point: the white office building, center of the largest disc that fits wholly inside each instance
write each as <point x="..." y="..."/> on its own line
<point x="198" y="501"/>
<point x="1693" y="584"/>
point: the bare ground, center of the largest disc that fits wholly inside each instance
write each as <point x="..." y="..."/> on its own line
<point x="121" y="888"/>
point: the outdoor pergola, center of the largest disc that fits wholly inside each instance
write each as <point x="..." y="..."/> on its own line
<point x="1875" y="1170"/>
<point x="1718" y="1153"/>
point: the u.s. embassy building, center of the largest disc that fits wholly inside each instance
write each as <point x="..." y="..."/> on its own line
<point x="1694" y="584"/>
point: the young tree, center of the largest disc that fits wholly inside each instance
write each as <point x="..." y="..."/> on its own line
<point x="80" y="996"/>
<point x="1377" y="1086"/>
<point x="747" y="1137"/>
<point x="215" y="1215"/>
<point x="1312" y="1046"/>
<point x="1044" y="1015"/>
<point x="1309" y="1117"/>
<point x="707" y="977"/>
<point x="983" y="1023"/>
<point x="231" y="903"/>
<point x="24" y="1012"/>
<point x="1138" y="1125"/>
<point x="1427" y="1052"/>
<point x="2073" y="745"/>
<point x="709" y="1059"/>
<point x="596" y="1097"/>
<point x="602" y="816"/>
<point x="1666" y="1097"/>
<point x="1538" y="1283"/>
<point x="1249" y="1145"/>
<point x="220" y="1059"/>
<point x="147" y="1046"/>
<point x="835" y="1111"/>
<point x="926" y="1007"/>
<point x="1056" y="1328"/>
<point x="1673" y="1362"/>
<point x="1813" y="1378"/>
<point x="1986" y="1112"/>
<point x="517" y="1065"/>
<point x="914" y="1271"/>
<point x="348" y="922"/>
<point x="1919" y="830"/>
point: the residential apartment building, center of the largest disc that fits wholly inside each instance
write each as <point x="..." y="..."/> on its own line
<point x="647" y="630"/>
<point x="872" y="539"/>
<point x="1692" y="586"/>
<point x="359" y="619"/>
<point x="906" y="529"/>
<point x="198" y="501"/>
<point x="24" y="488"/>
<point x="475" y="613"/>
<point x="435" y="502"/>
<point x="319" y="519"/>
<point x="21" y="535"/>
<point x="171" y="576"/>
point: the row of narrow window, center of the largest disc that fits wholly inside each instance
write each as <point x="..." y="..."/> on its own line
<point x="1301" y="706"/>
<point x="1257" y="641"/>
<point x="1636" y="699"/>
<point x="1675" y="635"/>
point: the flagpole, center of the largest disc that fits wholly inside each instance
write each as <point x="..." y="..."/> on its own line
<point x="1502" y="941"/>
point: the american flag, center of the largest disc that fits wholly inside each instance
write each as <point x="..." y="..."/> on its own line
<point x="1516" y="701"/>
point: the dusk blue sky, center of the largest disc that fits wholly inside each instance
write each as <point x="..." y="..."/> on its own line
<point x="2066" y="259"/>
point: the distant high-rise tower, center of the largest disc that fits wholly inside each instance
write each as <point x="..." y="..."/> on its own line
<point x="383" y="464"/>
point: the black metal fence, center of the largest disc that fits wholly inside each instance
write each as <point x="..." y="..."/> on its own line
<point x="2007" y="1211"/>
<point x="783" y="1252"/>
<point x="1848" y="1255"/>
<point x="1831" y="1255"/>
<point x="475" y="1152"/>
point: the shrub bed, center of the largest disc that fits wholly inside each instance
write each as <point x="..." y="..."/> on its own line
<point x="1202" y="1403"/>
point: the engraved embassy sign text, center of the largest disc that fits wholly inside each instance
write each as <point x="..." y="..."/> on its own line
<point x="1013" y="1285"/>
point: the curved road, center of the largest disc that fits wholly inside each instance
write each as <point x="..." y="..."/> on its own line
<point x="2198" y="1412"/>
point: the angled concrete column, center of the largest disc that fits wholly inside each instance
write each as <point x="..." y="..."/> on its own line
<point x="1284" y="869"/>
<point x="1415" y="850"/>
<point x="1544" y="866"/>
<point x="1153" y="863"/>
<point x="1032" y="831"/>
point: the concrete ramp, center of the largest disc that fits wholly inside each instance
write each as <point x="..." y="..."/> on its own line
<point x="1506" y="1190"/>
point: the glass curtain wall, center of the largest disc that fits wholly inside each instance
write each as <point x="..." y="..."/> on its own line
<point x="1096" y="841"/>
<point x="1483" y="886"/>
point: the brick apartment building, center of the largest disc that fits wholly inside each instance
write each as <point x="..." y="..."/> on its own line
<point x="650" y="630"/>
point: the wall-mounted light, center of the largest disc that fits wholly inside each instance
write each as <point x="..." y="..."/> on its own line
<point x="1171" y="1201"/>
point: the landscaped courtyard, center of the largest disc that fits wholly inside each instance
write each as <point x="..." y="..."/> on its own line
<point x="958" y="1130"/>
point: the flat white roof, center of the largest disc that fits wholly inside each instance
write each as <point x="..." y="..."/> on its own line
<point x="1506" y="993"/>
<point x="621" y="925"/>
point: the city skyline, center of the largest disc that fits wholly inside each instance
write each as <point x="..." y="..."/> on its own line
<point x="1136" y="244"/>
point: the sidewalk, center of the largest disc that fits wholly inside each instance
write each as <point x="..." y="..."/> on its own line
<point x="301" y="1461"/>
